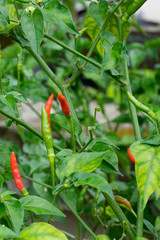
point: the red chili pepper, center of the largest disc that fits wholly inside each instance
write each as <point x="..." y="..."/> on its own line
<point x="64" y="104"/>
<point x="15" y="172"/>
<point x="130" y="155"/>
<point x="48" y="108"/>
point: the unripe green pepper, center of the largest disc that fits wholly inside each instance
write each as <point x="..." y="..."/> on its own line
<point x="48" y="140"/>
<point x="133" y="8"/>
<point x="102" y="237"/>
<point x="46" y="131"/>
<point x="141" y="106"/>
<point x="81" y="198"/>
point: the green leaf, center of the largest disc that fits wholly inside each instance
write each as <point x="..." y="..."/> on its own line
<point x="39" y="206"/>
<point x="98" y="11"/>
<point x="1" y="180"/>
<point x="4" y="12"/>
<point x="112" y="27"/>
<point x="157" y="193"/>
<point x="108" y="37"/>
<point x="41" y="190"/>
<point x="2" y="210"/>
<point x="110" y="155"/>
<point x="93" y="180"/>
<point x="147" y="167"/>
<point x="7" y="233"/>
<point x="88" y="162"/>
<point x="137" y="54"/>
<point x="153" y="140"/>
<point x="3" y="21"/>
<point x="16" y="213"/>
<point x="8" y="104"/>
<point x="33" y="27"/>
<point x="17" y="95"/>
<point x="93" y="30"/>
<point x="5" y="194"/>
<point x="105" y="142"/>
<point x="57" y="13"/>
<point x="150" y="227"/>
<point x="63" y="122"/>
<point x="111" y="55"/>
<point x="12" y="15"/>
<point x="42" y="231"/>
<point x="157" y="223"/>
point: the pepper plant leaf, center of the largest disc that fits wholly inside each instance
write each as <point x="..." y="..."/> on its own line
<point x="63" y="122"/>
<point x="3" y="21"/>
<point x="93" y="30"/>
<point x="39" y="206"/>
<point x="98" y="11"/>
<point x="16" y="213"/>
<point x="33" y="27"/>
<point x="7" y="233"/>
<point x="93" y="180"/>
<point x="147" y="167"/>
<point x="4" y="12"/>
<point x="57" y="13"/>
<point x="42" y="231"/>
<point x="85" y="161"/>
<point x="100" y="145"/>
<point x="12" y="15"/>
<point x="112" y="55"/>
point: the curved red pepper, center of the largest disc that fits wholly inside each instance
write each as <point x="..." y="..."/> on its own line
<point x="48" y="107"/>
<point x="64" y="104"/>
<point x="15" y="172"/>
<point x="130" y="155"/>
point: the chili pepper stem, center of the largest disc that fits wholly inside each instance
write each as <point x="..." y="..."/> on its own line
<point x="24" y="192"/>
<point x="72" y="133"/>
<point x="135" y="125"/>
<point x="51" y="160"/>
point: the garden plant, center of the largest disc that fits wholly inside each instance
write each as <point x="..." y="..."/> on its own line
<point x="64" y="59"/>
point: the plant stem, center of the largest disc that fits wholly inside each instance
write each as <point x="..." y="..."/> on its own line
<point x="19" y="69"/>
<point x="135" y="126"/>
<point x="1" y="71"/>
<point x="84" y="147"/>
<point x="137" y="137"/>
<point x="77" y="216"/>
<point x="15" y="4"/>
<point x="20" y="122"/>
<point x="87" y="59"/>
<point x="51" y="158"/>
<point x="120" y="215"/>
<point x="57" y="84"/>
<point x="77" y="73"/>
<point x="72" y="133"/>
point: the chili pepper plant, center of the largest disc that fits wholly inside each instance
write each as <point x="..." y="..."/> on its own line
<point x="66" y="59"/>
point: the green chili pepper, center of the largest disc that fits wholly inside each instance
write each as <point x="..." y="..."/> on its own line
<point x="48" y="140"/>
<point x="46" y="131"/>
<point x="81" y="198"/>
<point x="141" y="106"/>
<point x="102" y="237"/>
<point x="133" y="8"/>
